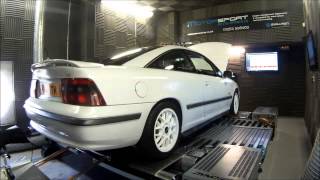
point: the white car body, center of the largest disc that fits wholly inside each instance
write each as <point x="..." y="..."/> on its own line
<point x="130" y="92"/>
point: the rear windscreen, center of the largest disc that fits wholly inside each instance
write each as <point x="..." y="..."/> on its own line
<point x="126" y="56"/>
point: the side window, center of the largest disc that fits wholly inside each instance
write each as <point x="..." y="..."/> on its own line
<point x="201" y="63"/>
<point x="175" y="60"/>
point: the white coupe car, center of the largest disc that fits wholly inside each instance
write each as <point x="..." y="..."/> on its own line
<point x="145" y="97"/>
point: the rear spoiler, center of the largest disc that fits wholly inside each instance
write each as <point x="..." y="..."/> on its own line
<point x="63" y="62"/>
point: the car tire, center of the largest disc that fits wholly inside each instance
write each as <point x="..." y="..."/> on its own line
<point x="235" y="104"/>
<point x="162" y="131"/>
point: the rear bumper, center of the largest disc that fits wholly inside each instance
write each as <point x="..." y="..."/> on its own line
<point x="98" y="133"/>
<point x="34" y="113"/>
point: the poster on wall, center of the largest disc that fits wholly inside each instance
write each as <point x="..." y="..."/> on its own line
<point x="239" y="22"/>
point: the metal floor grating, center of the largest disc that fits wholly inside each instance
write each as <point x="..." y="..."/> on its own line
<point x="211" y="161"/>
<point x="232" y="148"/>
<point x="243" y="122"/>
<point x="234" y="135"/>
<point x="249" y="137"/>
<point x="228" y="148"/>
<point x="249" y="123"/>
<point x="227" y="162"/>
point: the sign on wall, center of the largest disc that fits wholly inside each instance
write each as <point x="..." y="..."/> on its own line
<point x="239" y="22"/>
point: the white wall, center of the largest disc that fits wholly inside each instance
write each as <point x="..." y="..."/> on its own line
<point x="7" y="98"/>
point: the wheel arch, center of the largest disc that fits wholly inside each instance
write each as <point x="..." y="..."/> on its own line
<point x="145" y="140"/>
<point x="172" y="100"/>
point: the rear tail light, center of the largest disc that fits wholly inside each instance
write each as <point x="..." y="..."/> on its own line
<point x="81" y="91"/>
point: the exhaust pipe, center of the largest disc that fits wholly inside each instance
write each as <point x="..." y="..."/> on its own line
<point x="38" y="31"/>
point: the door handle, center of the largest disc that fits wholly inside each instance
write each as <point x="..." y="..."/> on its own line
<point x="206" y="83"/>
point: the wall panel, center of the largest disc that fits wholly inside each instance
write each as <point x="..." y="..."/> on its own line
<point x="167" y="31"/>
<point x="284" y="89"/>
<point x="29" y="10"/>
<point x="116" y="33"/>
<point x="13" y="27"/>
<point x="16" y="42"/>
<point x="2" y="8"/>
<point x="14" y="8"/>
<point x="28" y="27"/>
<point x="312" y="108"/>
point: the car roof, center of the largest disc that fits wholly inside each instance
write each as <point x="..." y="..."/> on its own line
<point x="145" y="58"/>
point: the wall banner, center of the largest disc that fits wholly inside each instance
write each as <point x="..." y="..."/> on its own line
<point x="239" y="22"/>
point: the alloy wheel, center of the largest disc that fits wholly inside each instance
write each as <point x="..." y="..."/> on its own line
<point x="166" y="130"/>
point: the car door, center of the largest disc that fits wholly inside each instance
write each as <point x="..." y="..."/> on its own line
<point x="190" y="89"/>
<point x="215" y="91"/>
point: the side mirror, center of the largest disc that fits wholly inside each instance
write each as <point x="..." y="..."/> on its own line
<point x="229" y="74"/>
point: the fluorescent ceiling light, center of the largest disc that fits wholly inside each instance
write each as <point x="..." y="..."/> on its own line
<point x="129" y="8"/>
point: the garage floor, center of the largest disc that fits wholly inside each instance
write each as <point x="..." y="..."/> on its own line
<point x="288" y="151"/>
<point x="286" y="157"/>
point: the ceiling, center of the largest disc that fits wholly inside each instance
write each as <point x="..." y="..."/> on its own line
<point x="182" y="5"/>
